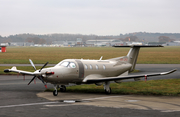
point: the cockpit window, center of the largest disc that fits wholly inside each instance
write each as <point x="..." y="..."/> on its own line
<point x="65" y="64"/>
<point x="72" y="65"/>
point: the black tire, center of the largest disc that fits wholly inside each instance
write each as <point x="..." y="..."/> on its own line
<point x="108" y="92"/>
<point x="55" y="93"/>
<point x="63" y="88"/>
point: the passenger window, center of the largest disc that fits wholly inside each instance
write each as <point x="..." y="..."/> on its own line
<point x="97" y="67"/>
<point x="104" y="67"/>
<point x="72" y="65"/>
<point x="90" y="66"/>
<point x="86" y="67"/>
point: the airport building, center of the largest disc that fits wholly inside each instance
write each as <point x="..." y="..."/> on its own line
<point x="104" y="42"/>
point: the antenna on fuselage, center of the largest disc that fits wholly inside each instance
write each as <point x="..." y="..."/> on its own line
<point x="101" y="58"/>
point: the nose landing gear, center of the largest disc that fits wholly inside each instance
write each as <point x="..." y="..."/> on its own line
<point x="62" y="89"/>
<point x="55" y="92"/>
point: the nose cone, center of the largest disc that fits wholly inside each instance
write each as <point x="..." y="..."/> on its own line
<point x="52" y="72"/>
<point x="47" y="71"/>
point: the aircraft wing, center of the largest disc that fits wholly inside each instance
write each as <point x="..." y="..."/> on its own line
<point x="14" y="69"/>
<point x="104" y="79"/>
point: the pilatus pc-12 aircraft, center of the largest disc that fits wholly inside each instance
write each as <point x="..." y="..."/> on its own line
<point x="80" y="71"/>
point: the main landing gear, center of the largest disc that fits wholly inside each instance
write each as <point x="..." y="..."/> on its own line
<point x="107" y="89"/>
<point x="62" y="89"/>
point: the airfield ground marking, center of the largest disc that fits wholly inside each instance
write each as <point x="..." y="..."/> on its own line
<point x="42" y="103"/>
<point x="102" y="97"/>
<point x="69" y="103"/>
<point x="30" y="104"/>
<point x="59" y="105"/>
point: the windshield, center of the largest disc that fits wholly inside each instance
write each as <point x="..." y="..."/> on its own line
<point x="72" y="65"/>
<point x="67" y="64"/>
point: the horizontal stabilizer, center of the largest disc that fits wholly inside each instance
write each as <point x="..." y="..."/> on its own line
<point x="140" y="46"/>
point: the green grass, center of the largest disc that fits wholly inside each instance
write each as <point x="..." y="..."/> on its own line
<point x="53" y="55"/>
<point x="166" y="87"/>
<point x="165" y="55"/>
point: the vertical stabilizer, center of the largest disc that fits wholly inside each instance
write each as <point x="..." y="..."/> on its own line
<point x="133" y="54"/>
<point x="132" y="57"/>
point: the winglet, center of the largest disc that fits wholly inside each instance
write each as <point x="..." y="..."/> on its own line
<point x="14" y="68"/>
<point x="169" y="72"/>
<point x="9" y="70"/>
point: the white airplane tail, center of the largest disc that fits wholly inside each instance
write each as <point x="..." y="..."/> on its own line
<point x="133" y="55"/>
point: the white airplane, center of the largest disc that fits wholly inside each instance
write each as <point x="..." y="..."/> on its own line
<point x="80" y="71"/>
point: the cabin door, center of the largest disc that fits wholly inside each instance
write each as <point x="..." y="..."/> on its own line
<point x="81" y="69"/>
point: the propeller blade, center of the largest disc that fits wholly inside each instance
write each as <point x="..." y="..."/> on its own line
<point x="32" y="80"/>
<point x="43" y="81"/>
<point x="32" y="64"/>
<point x="43" y="66"/>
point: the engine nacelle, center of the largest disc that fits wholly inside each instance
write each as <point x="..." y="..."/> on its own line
<point x="99" y="84"/>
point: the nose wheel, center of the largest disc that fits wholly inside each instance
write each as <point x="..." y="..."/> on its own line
<point x="55" y="92"/>
<point x="62" y="89"/>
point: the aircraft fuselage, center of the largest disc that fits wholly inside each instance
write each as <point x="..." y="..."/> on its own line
<point x="75" y="70"/>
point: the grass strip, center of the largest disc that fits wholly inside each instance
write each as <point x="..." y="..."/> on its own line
<point x="166" y="87"/>
<point x="21" y="55"/>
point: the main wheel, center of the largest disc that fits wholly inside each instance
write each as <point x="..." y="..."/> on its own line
<point x="63" y="88"/>
<point x="108" y="92"/>
<point x="55" y="93"/>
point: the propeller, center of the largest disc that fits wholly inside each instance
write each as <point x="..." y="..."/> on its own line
<point x="43" y="82"/>
<point x="43" y="66"/>
<point x="32" y="80"/>
<point x="40" y="77"/>
<point x="32" y="64"/>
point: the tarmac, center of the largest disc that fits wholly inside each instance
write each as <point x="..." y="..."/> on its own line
<point x="160" y="103"/>
<point x="17" y="99"/>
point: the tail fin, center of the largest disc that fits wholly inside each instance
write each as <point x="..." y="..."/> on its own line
<point x="133" y="54"/>
<point x="132" y="57"/>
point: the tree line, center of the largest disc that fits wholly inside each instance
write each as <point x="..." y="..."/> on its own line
<point x="49" y="38"/>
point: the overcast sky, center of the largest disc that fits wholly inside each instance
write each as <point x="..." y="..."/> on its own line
<point x="100" y="17"/>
